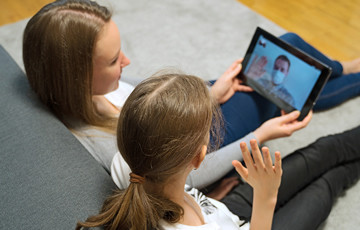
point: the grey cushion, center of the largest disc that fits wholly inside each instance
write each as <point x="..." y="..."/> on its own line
<point x="47" y="178"/>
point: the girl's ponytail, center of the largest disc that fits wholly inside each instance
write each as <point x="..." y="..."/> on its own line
<point x="134" y="209"/>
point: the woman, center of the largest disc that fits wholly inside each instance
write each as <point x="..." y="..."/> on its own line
<point x="73" y="60"/>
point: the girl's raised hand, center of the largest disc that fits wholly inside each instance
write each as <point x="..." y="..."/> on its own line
<point x="260" y="172"/>
<point x="265" y="179"/>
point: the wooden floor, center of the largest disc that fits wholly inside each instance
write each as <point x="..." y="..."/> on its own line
<point x="15" y="10"/>
<point x="333" y="26"/>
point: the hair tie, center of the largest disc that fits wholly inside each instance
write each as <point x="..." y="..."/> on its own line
<point x="134" y="178"/>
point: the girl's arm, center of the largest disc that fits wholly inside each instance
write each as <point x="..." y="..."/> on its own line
<point x="265" y="180"/>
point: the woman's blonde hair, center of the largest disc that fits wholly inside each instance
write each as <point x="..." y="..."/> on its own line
<point x="58" y="47"/>
<point x="162" y="127"/>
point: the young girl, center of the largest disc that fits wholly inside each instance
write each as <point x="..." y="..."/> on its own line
<point x="163" y="134"/>
<point x="74" y="61"/>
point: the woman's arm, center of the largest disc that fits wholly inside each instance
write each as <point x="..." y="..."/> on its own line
<point x="217" y="164"/>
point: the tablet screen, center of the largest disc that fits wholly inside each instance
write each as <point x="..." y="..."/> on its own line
<point x="283" y="74"/>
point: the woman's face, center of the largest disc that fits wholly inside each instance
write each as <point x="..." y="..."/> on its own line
<point x="108" y="60"/>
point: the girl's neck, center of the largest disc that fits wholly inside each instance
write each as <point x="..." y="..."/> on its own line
<point x="174" y="190"/>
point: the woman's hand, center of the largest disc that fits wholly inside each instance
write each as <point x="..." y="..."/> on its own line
<point x="260" y="173"/>
<point x="225" y="87"/>
<point x="282" y="126"/>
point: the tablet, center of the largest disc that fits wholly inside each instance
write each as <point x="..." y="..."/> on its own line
<point x="283" y="74"/>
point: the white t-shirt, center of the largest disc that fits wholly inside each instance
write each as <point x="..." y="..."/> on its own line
<point x="216" y="215"/>
<point x="119" y="96"/>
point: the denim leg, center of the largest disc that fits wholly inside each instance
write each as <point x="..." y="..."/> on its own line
<point x="243" y="113"/>
<point x="338" y="90"/>
<point x="302" y="45"/>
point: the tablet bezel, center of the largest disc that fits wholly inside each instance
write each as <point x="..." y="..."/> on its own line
<point x="317" y="88"/>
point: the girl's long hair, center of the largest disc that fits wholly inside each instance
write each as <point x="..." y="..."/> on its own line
<point x="58" y="46"/>
<point x="162" y="127"/>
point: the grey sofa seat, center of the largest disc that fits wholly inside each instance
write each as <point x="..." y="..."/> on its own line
<point x="47" y="178"/>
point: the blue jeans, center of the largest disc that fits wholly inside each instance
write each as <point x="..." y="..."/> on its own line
<point x="245" y="112"/>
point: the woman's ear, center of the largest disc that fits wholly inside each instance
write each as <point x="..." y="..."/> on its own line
<point x="196" y="162"/>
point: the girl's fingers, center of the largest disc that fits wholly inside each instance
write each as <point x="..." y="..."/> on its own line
<point x="267" y="158"/>
<point x="256" y="154"/>
<point x="278" y="166"/>
<point x="240" y="169"/>
<point x="246" y="155"/>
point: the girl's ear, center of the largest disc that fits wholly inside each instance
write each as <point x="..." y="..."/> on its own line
<point x="196" y="162"/>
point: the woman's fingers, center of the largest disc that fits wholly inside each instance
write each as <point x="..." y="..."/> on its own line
<point x="234" y="69"/>
<point x="290" y="117"/>
<point x="243" y="88"/>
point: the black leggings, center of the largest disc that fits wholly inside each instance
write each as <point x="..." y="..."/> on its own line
<point x="312" y="178"/>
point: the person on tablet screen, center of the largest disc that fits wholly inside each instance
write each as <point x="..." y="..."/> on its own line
<point x="272" y="82"/>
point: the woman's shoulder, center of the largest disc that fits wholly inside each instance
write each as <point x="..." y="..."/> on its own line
<point x="99" y="143"/>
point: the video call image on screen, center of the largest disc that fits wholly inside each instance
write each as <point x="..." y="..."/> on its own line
<point x="281" y="73"/>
